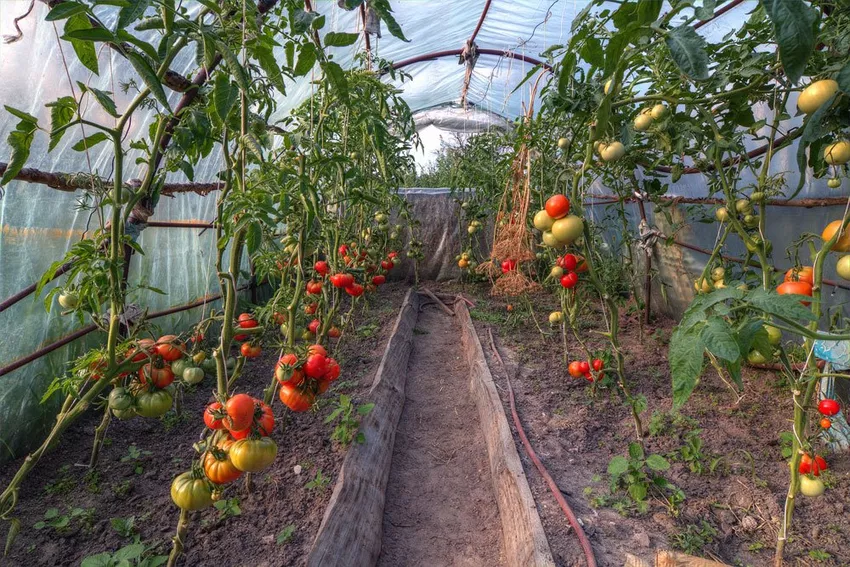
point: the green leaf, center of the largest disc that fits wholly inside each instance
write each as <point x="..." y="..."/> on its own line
<point x="265" y="57"/>
<point x="306" y="59"/>
<point x="85" y="50"/>
<point x="843" y="79"/>
<point x="795" y="25"/>
<point x="365" y="408"/>
<point x="65" y="10"/>
<point x="250" y="143"/>
<point x="338" y="39"/>
<point x="90" y="34"/>
<point x="686" y="358"/>
<point x="89" y="142"/>
<point x="131" y="13"/>
<point x="618" y="466"/>
<point x="637" y="491"/>
<point x="336" y="77"/>
<point x="105" y="100"/>
<point x="300" y="20"/>
<point x="234" y="66"/>
<point x="706" y="11"/>
<point x="146" y="47"/>
<point x="719" y="340"/>
<point x="787" y="306"/>
<point x="657" y="463"/>
<point x="254" y="238"/>
<point x="350" y="4"/>
<point x="224" y="96"/>
<point x="62" y="111"/>
<point x="687" y="48"/>
<point x="148" y="75"/>
<point x="649" y="10"/>
<point x="592" y="52"/>
<point x="20" y="140"/>
<point x="636" y="451"/>
<point x="382" y="8"/>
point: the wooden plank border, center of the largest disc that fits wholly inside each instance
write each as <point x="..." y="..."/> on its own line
<point x="352" y="528"/>
<point x="522" y="531"/>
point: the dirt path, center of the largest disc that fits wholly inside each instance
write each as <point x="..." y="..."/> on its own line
<point x="440" y="505"/>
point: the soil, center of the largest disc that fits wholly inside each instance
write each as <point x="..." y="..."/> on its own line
<point x="135" y="486"/>
<point x="440" y="507"/>
<point x="732" y="505"/>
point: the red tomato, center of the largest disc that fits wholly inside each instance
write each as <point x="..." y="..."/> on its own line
<point x="250" y="351"/>
<point x="828" y="407"/>
<point x="355" y="290"/>
<point x="588" y="376"/>
<point x="825" y="423"/>
<point x="598" y="364"/>
<point x="286" y="371"/>
<point x="387" y="265"/>
<point x="314" y="326"/>
<point x="295" y="398"/>
<point x="569" y="262"/>
<point x="314" y="288"/>
<point x="240" y="337"/>
<point x="343" y="250"/>
<point x="508" y="266"/>
<point x="378" y="280"/>
<point x="210" y="416"/>
<point x="145" y="348"/>
<point x="316" y="365"/>
<point x="311" y="308"/>
<point x="159" y="377"/>
<point x="317" y="349"/>
<point x="169" y="348"/>
<point x="802" y="274"/>
<point x="569" y="280"/>
<point x="263" y="422"/>
<point x="322" y="386"/>
<point x="392" y="255"/>
<point x="575" y="369"/>
<point x="321" y="268"/>
<point x="333" y="371"/>
<point x="240" y="412"/>
<point x="279" y="318"/>
<point x="584" y="366"/>
<point x="247" y="321"/>
<point x="795" y="288"/>
<point x="334" y="332"/>
<point x="812" y="466"/>
<point x="557" y="206"/>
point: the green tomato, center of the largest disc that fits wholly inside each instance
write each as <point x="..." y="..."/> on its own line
<point x="755" y="357"/>
<point x="774" y="335"/>
<point x="743" y="206"/>
<point x="179" y="365"/>
<point x="69" y="300"/>
<point x="153" y="404"/>
<point x="253" y="455"/>
<point x="757" y="197"/>
<point x="120" y="399"/>
<point x="834" y="183"/>
<point x="811" y="487"/>
<point x="721" y="214"/>
<point x="208" y="366"/>
<point x="124" y="414"/>
<point x="190" y="493"/>
<point x="193" y="375"/>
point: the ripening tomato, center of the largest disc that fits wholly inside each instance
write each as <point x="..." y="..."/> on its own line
<point x="191" y="493"/>
<point x="811" y="487"/>
<point x="321" y="268"/>
<point x="169" y="348"/>
<point x="145" y="348"/>
<point x="247" y="321"/>
<point x="286" y="371"/>
<point x="795" y="288"/>
<point x="825" y="423"/>
<point x="802" y="274"/>
<point x="316" y="366"/>
<point x="598" y="364"/>
<point x="808" y="465"/>
<point x="569" y="280"/>
<point x="214" y="416"/>
<point x="334" y="332"/>
<point x="828" y="407"/>
<point x="240" y="412"/>
<point x="322" y="386"/>
<point x="311" y="308"/>
<point x="279" y="318"/>
<point x="296" y="398"/>
<point x="569" y="262"/>
<point x="379" y="280"/>
<point x="317" y="349"/>
<point x="575" y="369"/>
<point x="508" y="265"/>
<point x="557" y="206"/>
<point x="355" y="290"/>
<point x="160" y="377"/>
<point x="253" y="455"/>
<point x="333" y="370"/>
<point x="217" y="465"/>
<point x="387" y="265"/>
<point x="263" y="422"/>
<point x="250" y="351"/>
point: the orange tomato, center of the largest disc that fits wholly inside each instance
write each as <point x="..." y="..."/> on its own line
<point x="843" y="243"/>
<point x="802" y="274"/>
<point x="795" y="288"/>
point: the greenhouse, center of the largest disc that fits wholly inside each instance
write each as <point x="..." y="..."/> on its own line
<point x="425" y="283"/>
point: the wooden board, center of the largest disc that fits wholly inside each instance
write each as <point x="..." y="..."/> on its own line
<point x="351" y="530"/>
<point x="675" y="559"/>
<point x="522" y="531"/>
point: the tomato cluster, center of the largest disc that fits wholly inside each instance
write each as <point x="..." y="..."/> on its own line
<point x="579" y="368"/>
<point x="303" y="378"/>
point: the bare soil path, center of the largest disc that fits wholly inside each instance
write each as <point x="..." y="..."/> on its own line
<point x="440" y="508"/>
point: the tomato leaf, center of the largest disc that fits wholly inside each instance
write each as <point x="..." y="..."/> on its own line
<point x="20" y="141"/>
<point x="24" y="116"/>
<point x="382" y="8"/>
<point x="687" y="48"/>
<point x="131" y="13"/>
<point x="90" y="34"/>
<point x="787" y="306"/>
<point x="146" y="47"/>
<point x="306" y="59"/>
<point x="338" y="39"/>
<point x="224" y="96"/>
<point x="719" y="340"/>
<point x="265" y="57"/>
<point x="234" y="66"/>
<point x="85" y="50"/>
<point x="300" y="20"/>
<point x="336" y="77"/>
<point x="64" y="10"/>
<point x="686" y="358"/>
<point x="62" y="111"/>
<point x="148" y="75"/>
<point x="795" y="25"/>
<point x="105" y="100"/>
<point x="843" y="79"/>
<point x="90" y="141"/>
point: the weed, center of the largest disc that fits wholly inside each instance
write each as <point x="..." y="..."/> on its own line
<point x="125" y="527"/>
<point x="819" y="555"/>
<point x="133" y="555"/>
<point x="636" y="476"/>
<point x="92" y="480"/>
<point x="62" y="522"/>
<point x="694" y="538"/>
<point x="122" y="489"/>
<point x="756" y="546"/>
<point x="63" y="484"/>
<point x="172" y="419"/>
<point x="349" y="415"/>
<point x="228" y="508"/>
<point x="319" y="482"/>
<point x="285" y="535"/>
<point x="134" y="456"/>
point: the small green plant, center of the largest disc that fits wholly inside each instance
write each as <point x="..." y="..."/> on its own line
<point x="319" y="482"/>
<point x="694" y="538"/>
<point x="691" y="452"/>
<point x="819" y="555"/>
<point x="125" y="527"/>
<point x="285" y="535"/>
<point x="172" y="419"/>
<point x="63" y="484"/>
<point x="62" y="522"/>
<point x="349" y="415"/>
<point x="92" y="480"/>
<point x="756" y="546"/>
<point x="368" y="330"/>
<point x="636" y="476"/>
<point x="786" y="441"/>
<point x="134" y="456"/>
<point x="122" y="489"/>
<point x="228" y="508"/>
<point x="133" y="555"/>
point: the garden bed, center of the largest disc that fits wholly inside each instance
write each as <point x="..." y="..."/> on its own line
<point x="731" y="511"/>
<point x="280" y="516"/>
